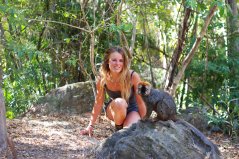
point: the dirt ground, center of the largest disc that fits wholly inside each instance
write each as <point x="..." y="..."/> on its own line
<point x="58" y="137"/>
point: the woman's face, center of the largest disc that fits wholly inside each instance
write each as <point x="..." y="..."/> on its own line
<point x="116" y="62"/>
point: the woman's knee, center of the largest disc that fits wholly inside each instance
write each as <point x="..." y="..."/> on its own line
<point x="119" y="104"/>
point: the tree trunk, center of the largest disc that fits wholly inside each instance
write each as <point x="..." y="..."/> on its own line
<point x="146" y="43"/>
<point x="92" y="53"/>
<point x="133" y="37"/>
<point x="3" y="129"/>
<point x="233" y="43"/>
<point x="4" y="139"/>
<point x="178" y="51"/>
<point x="192" y="52"/>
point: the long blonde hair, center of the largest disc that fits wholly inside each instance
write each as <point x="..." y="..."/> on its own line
<point x="124" y="78"/>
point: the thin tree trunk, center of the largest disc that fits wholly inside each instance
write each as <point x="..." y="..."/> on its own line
<point x="192" y="52"/>
<point x="3" y="129"/>
<point x="151" y="68"/>
<point x="5" y="140"/>
<point x="148" y="53"/>
<point x="233" y="43"/>
<point x="92" y="43"/>
<point x="178" y="51"/>
<point x="123" y="39"/>
<point x="39" y="45"/>
<point x="131" y="49"/>
<point x="182" y="95"/>
<point x="92" y="53"/>
<point x="92" y="38"/>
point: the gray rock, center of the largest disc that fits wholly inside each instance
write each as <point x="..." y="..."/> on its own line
<point x="160" y="140"/>
<point x="71" y="99"/>
<point x="195" y="116"/>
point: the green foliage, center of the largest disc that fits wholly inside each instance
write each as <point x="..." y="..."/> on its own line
<point x="191" y="4"/>
<point x="10" y="115"/>
<point x="24" y="87"/>
<point x="230" y="107"/>
<point x="209" y="74"/>
<point x="220" y="122"/>
<point x="40" y="52"/>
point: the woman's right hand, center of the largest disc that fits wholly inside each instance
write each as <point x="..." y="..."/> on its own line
<point x="87" y="131"/>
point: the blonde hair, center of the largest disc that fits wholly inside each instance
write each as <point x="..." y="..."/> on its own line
<point x="124" y="78"/>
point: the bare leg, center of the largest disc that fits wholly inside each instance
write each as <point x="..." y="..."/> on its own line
<point x="131" y="118"/>
<point x="117" y="111"/>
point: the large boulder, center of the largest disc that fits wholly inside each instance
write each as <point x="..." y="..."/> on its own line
<point x="197" y="116"/>
<point x="71" y="99"/>
<point x="161" y="140"/>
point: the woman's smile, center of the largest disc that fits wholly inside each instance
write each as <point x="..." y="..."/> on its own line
<point x="116" y="62"/>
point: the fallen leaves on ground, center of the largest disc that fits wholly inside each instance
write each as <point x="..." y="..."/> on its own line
<point x="58" y="137"/>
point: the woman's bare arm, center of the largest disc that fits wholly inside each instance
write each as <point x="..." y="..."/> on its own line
<point x="98" y="102"/>
<point x="96" y="109"/>
<point x="141" y="105"/>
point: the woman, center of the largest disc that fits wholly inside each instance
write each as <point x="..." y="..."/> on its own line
<point x="125" y="106"/>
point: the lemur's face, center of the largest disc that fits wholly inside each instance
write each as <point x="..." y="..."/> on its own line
<point x="144" y="88"/>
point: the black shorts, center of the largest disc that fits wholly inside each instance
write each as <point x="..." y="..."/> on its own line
<point x="131" y="107"/>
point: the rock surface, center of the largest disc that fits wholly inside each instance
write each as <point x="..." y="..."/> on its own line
<point x="195" y="116"/>
<point x="161" y="139"/>
<point x="71" y="99"/>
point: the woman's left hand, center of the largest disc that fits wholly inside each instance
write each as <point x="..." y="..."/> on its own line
<point x="87" y="131"/>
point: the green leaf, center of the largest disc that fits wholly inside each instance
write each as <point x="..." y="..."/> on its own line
<point x="67" y="40"/>
<point x="66" y="14"/>
<point x="191" y="4"/>
<point x="10" y="115"/>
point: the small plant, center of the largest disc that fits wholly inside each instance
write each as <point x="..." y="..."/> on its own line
<point x="230" y="116"/>
<point x="219" y="122"/>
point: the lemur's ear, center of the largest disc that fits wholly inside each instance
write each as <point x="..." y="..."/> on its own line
<point x="144" y="88"/>
<point x="144" y="83"/>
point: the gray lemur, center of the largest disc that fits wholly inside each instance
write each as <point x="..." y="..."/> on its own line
<point x="159" y="101"/>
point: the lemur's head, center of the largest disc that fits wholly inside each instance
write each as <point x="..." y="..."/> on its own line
<point x="144" y="88"/>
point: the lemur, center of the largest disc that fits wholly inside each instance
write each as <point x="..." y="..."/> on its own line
<point x="157" y="100"/>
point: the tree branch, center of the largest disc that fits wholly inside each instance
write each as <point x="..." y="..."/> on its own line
<point x="190" y="55"/>
<point x="178" y="50"/>
<point x="56" y="22"/>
